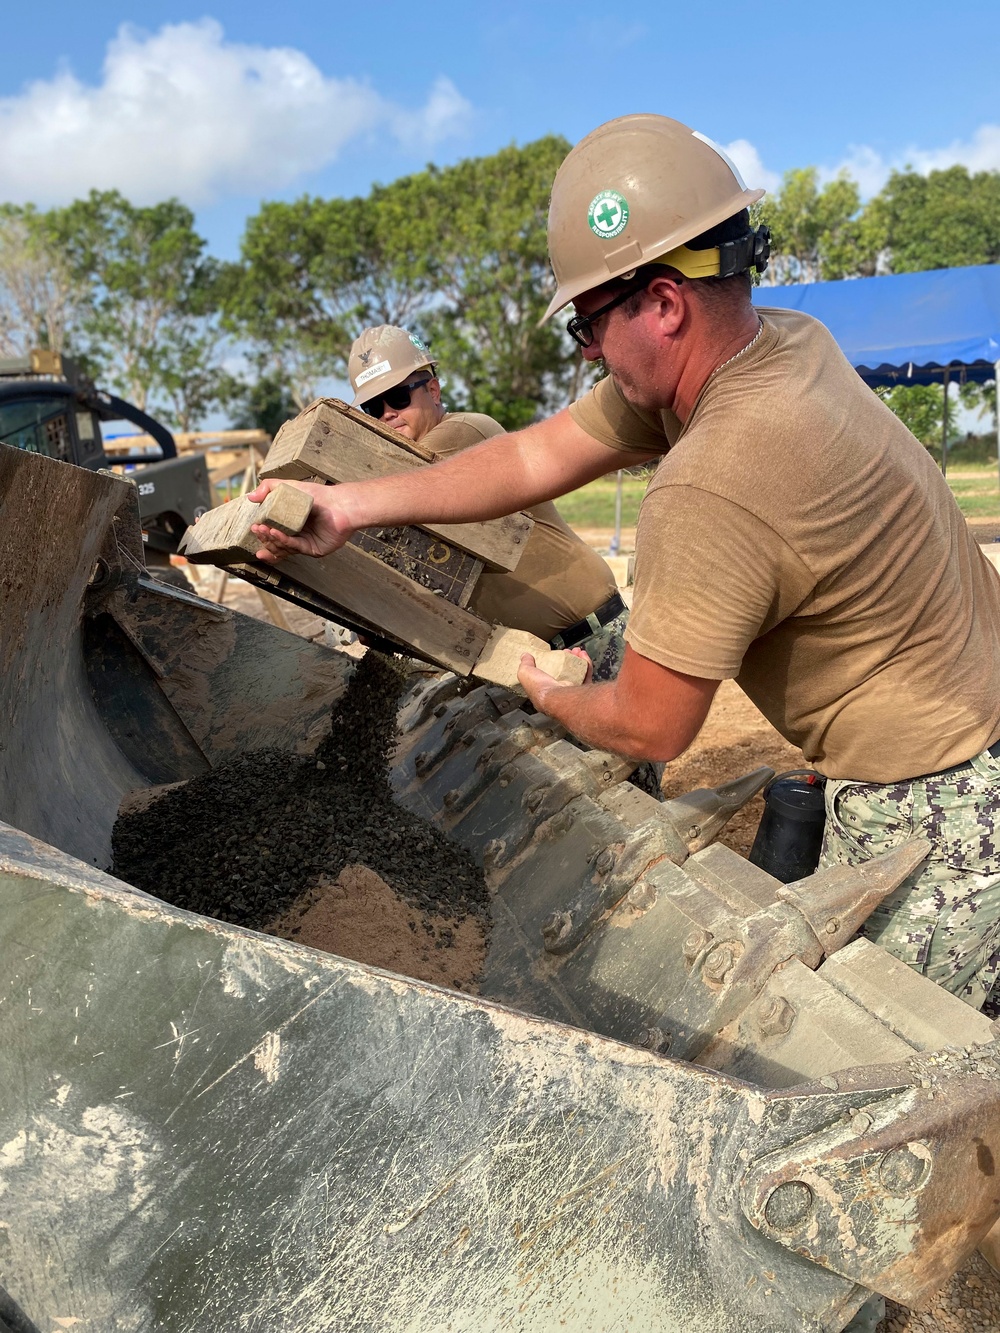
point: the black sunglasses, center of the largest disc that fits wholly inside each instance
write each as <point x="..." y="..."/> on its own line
<point x="580" y="327"/>
<point x="397" y="397"/>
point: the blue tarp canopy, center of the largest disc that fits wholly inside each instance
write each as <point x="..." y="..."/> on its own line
<point x="909" y="328"/>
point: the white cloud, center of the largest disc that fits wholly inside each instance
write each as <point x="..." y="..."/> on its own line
<point x="871" y="169"/>
<point x="184" y="112"/>
<point x="750" y="167"/>
<point x="445" y="114"/>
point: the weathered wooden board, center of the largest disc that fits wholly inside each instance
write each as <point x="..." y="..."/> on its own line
<point x="388" y="595"/>
<point x="365" y="431"/>
<point x="447" y="570"/>
<point x="501" y="657"/>
<point x="365" y="587"/>
<point x="224" y="534"/>
<point x="332" y="442"/>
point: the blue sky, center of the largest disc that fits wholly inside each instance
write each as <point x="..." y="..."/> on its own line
<point x="225" y="104"/>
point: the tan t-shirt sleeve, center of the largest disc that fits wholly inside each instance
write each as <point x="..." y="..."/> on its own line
<point x="699" y="603"/>
<point x="606" y="416"/>
<point x="456" y="432"/>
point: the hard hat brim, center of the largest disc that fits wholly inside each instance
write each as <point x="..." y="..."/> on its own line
<point x="633" y="255"/>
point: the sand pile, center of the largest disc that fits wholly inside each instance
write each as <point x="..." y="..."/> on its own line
<point x="265" y="838"/>
<point x="359" y="916"/>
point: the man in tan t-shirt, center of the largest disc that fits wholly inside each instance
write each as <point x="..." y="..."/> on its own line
<point x="562" y="591"/>
<point x="795" y="536"/>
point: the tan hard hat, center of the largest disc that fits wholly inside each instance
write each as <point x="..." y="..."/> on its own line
<point x="383" y="357"/>
<point x="632" y="192"/>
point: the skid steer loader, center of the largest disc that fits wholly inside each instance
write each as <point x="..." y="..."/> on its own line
<point x="685" y="1097"/>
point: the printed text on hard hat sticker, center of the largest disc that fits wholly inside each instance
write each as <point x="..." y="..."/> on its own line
<point x="379" y="369"/>
<point x="608" y="214"/>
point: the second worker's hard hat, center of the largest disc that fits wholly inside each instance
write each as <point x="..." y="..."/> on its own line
<point x="383" y="357"/>
<point x="634" y="192"/>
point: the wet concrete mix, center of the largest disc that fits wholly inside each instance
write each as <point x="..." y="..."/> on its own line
<point x="246" y="841"/>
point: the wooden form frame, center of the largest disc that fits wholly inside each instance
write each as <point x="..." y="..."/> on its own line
<point x="332" y="442"/>
<point x="357" y="586"/>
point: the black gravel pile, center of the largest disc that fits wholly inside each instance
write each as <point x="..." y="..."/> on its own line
<point x="243" y="842"/>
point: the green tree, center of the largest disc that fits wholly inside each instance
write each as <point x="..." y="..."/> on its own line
<point x="148" y="324"/>
<point x="263" y="402"/>
<point x="483" y="228"/>
<point x="40" y="298"/>
<point x="920" y="409"/>
<point x="456" y="253"/>
<point x="946" y="219"/>
<point x="312" y="275"/>
<point x="817" y="233"/>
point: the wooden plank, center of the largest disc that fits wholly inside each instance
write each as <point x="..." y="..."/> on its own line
<point x="329" y="410"/>
<point x="500" y="659"/>
<point x="432" y="628"/>
<point x="448" y="571"/>
<point x="224" y="534"/>
<point x="341" y="445"/>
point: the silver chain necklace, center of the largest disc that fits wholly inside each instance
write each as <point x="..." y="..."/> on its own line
<point x="736" y="355"/>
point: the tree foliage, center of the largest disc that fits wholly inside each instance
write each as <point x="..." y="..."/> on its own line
<point x="40" y="297"/>
<point x="147" y="324"/>
<point x="816" y="233"/>
<point x="946" y="219"/>
<point x="456" y="253"/>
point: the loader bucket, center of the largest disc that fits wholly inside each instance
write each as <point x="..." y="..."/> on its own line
<point x="111" y="681"/>
<point x="206" y="1127"/>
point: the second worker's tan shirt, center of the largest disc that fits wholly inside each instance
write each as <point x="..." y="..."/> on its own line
<point x="558" y="580"/>
<point x="798" y="538"/>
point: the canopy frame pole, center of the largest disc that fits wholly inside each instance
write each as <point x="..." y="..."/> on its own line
<point x="616" y="540"/>
<point x="996" y="403"/>
<point x="944" y="428"/>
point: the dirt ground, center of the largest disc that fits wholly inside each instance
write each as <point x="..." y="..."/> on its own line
<point x="735" y="739"/>
<point x="357" y="915"/>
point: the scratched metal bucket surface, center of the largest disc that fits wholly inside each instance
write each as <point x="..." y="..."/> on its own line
<point x="208" y="1128"/>
<point x="110" y="681"/>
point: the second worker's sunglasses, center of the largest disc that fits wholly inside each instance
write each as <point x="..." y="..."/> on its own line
<point x="397" y="397"/>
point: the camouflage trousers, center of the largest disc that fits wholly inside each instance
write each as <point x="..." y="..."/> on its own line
<point x="606" y="649"/>
<point x="944" y="920"/>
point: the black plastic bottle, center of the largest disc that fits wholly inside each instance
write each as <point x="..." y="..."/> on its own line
<point x="790" y="835"/>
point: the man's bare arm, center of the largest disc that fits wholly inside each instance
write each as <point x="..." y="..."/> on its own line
<point x="648" y="712"/>
<point x="500" y="476"/>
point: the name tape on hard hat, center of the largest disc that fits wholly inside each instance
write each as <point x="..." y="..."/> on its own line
<point x="371" y="372"/>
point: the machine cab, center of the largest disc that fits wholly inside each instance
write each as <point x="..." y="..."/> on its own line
<point x="47" y="406"/>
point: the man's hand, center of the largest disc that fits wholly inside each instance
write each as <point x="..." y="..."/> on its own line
<point x="648" y="712"/>
<point x="536" y="683"/>
<point x="327" y="528"/>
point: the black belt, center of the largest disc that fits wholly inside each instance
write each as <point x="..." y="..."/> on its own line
<point x="583" y="629"/>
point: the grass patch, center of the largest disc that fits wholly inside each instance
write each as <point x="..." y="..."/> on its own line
<point x="978" y="494"/>
<point x="593" y="505"/>
<point x="975" y="486"/>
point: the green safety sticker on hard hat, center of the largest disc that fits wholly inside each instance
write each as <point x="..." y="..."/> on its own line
<point x="608" y="214"/>
<point x="421" y="347"/>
